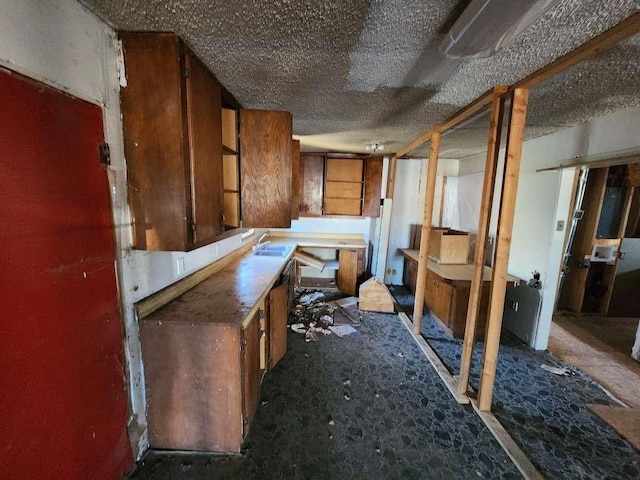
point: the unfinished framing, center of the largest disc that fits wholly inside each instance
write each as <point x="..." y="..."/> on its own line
<point x="496" y="97"/>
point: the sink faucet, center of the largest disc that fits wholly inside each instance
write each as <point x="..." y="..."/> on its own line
<point x="260" y="245"/>
<point x="262" y="237"/>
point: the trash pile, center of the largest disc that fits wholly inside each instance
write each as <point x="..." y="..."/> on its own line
<point x="315" y="315"/>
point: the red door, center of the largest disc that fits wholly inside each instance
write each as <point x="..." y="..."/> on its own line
<point x="63" y="401"/>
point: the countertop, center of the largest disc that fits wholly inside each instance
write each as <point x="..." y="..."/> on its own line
<point x="234" y="294"/>
<point x="454" y="272"/>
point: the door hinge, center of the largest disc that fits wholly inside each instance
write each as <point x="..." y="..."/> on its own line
<point x="243" y="342"/>
<point x="186" y="73"/>
<point x="104" y="154"/>
<point x="193" y="227"/>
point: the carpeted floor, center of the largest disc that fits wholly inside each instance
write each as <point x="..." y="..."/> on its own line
<point x="370" y="406"/>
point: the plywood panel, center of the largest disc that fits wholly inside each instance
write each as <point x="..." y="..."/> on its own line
<point x="205" y="142"/>
<point x="343" y="190"/>
<point x="372" y="187"/>
<point x="231" y="209"/>
<point x="230" y="129"/>
<point x="342" y="207"/>
<point x="295" y="179"/>
<point x="344" y="170"/>
<point x="311" y="184"/>
<point x="265" y="145"/>
<point x="231" y="180"/>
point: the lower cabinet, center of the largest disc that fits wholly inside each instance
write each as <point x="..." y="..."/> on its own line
<point x="351" y="270"/>
<point x="278" y="311"/>
<point x="202" y="381"/>
<point x="447" y="299"/>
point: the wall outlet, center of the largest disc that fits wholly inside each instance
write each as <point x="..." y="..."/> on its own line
<point x="180" y="265"/>
<point x="560" y="225"/>
<point x="514" y="305"/>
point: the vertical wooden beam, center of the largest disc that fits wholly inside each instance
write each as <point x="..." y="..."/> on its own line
<point x="391" y="178"/>
<point x="491" y="165"/>
<point x="443" y="195"/>
<point x="515" y="138"/>
<point x="418" y="308"/>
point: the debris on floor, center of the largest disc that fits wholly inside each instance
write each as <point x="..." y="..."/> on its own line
<point x="342" y="330"/>
<point x="556" y="370"/>
<point x="316" y="313"/>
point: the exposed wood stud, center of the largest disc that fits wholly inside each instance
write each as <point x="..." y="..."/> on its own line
<point x="515" y="137"/>
<point x="491" y="165"/>
<point x="477" y="105"/>
<point x="443" y="195"/>
<point x="391" y="179"/>
<point x="434" y="151"/>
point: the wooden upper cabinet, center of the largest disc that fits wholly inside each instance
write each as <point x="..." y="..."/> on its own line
<point x="340" y="186"/>
<point x="311" y="185"/>
<point x="265" y="160"/>
<point x="295" y="179"/>
<point x="173" y="144"/>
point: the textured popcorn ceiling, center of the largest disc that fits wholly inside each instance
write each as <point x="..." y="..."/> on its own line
<point x="354" y="72"/>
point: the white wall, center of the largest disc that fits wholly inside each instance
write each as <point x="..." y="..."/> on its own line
<point x="62" y="44"/>
<point x="544" y="198"/>
<point x="408" y="207"/>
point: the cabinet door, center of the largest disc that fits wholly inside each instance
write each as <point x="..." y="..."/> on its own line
<point x="154" y="142"/>
<point x="311" y="185"/>
<point x="278" y="323"/>
<point x="347" y="271"/>
<point x="295" y="179"/>
<point x="250" y="371"/>
<point x="265" y="158"/>
<point x="372" y="187"/>
<point x="205" y="152"/>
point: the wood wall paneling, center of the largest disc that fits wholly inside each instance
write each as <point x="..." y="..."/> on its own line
<point x="265" y="145"/>
<point x="205" y="149"/>
<point x="311" y="184"/>
<point x="372" y="187"/>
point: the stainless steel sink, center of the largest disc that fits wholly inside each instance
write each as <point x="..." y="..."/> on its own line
<point x="270" y="250"/>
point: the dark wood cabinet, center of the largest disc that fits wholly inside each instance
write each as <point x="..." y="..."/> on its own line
<point x="278" y="310"/>
<point x="340" y="186"/>
<point x="171" y="111"/>
<point x="265" y="164"/>
<point x="202" y="383"/>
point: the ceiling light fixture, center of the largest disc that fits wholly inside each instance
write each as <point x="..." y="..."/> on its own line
<point x="486" y="26"/>
<point x="374" y="147"/>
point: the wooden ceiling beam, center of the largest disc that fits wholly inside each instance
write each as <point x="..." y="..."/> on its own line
<point x="609" y="38"/>
<point x="474" y="107"/>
